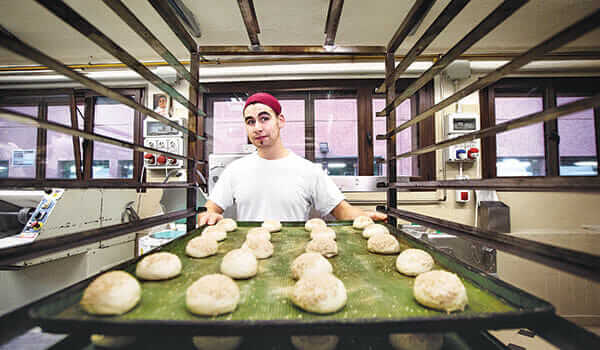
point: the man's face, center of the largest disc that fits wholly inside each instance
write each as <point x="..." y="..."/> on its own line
<point x="162" y="102"/>
<point x="262" y="125"/>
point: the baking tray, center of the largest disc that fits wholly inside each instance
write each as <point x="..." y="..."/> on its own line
<point x="380" y="299"/>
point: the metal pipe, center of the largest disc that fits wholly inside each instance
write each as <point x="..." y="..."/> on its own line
<point x="546" y="184"/>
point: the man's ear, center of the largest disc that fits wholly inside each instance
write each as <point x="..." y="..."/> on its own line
<point x="281" y="119"/>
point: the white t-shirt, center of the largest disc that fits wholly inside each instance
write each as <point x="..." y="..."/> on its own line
<point x="283" y="189"/>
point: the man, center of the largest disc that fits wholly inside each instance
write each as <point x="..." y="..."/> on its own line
<point x="275" y="183"/>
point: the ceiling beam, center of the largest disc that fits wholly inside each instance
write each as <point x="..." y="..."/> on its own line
<point x="493" y="20"/>
<point x="250" y="20"/>
<point x="436" y="28"/>
<point x="14" y="44"/>
<point x="333" y="20"/>
<point x="134" y="23"/>
<point x="69" y="16"/>
<point x="163" y="8"/>
<point x="292" y="50"/>
<point x="416" y="14"/>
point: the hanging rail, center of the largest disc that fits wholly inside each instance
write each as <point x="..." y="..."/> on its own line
<point x="501" y="13"/>
<point x="69" y="16"/>
<point x="578" y="263"/>
<point x="567" y="35"/>
<point x="12" y="184"/>
<point x="14" y="44"/>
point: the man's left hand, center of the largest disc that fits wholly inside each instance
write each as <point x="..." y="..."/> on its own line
<point x="377" y="216"/>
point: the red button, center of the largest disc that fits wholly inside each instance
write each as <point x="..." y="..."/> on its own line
<point x="464" y="196"/>
<point x="161" y="159"/>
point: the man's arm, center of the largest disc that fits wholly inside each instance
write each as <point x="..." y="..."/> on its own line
<point x="345" y="211"/>
<point x="212" y="215"/>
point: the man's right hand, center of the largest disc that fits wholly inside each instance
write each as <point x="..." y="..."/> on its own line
<point x="209" y="218"/>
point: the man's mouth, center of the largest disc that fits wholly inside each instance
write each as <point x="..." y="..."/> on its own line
<point x="260" y="138"/>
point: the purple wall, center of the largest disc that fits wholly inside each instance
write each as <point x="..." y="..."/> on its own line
<point x="576" y="130"/>
<point x="60" y="146"/>
<point x="336" y="123"/>
<point x="114" y="120"/>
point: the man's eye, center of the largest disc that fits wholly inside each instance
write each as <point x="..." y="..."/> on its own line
<point x="250" y="122"/>
<point x="264" y="119"/>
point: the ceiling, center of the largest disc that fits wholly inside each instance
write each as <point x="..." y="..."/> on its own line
<point x="287" y="22"/>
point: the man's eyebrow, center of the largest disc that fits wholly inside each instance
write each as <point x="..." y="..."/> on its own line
<point x="263" y="113"/>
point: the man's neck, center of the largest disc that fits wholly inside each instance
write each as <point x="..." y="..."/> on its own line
<point x="274" y="152"/>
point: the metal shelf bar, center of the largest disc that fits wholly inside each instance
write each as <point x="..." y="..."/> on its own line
<point x="25" y="119"/>
<point x="72" y="18"/>
<point x="43" y="247"/>
<point x="578" y="263"/>
<point x="11" y="42"/>
<point x="548" y="114"/>
<point x="546" y="184"/>
<point x="540" y="51"/>
<point x="501" y="13"/>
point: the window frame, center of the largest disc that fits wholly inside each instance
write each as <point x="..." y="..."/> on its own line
<point x="47" y="97"/>
<point x="361" y="89"/>
<point x="548" y="89"/>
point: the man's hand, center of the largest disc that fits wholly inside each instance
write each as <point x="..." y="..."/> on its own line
<point x="208" y="218"/>
<point x="376" y="216"/>
<point x="211" y="216"/>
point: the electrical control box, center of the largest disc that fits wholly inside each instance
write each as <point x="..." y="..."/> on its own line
<point x="458" y="124"/>
<point x="164" y="138"/>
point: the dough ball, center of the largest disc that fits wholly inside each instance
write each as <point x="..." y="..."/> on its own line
<point x="375" y="229"/>
<point x="383" y="244"/>
<point x="314" y="342"/>
<point x="416" y="341"/>
<point x="217" y="233"/>
<point x="111" y="341"/>
<point x="112" y="293"/>
<point x="227" y="224"/>
<point x="360" y="222"/>
<point x="324" y="246"/>
<point x="313" y="223"/>
<point x="259" y="232"/>
<point x="272" y="225"/>
<point x="158" y="266"/>
<point x="212" y="295"/>
<point x="440" y="290"/>
<point x="310" y="263"/>
<point x="217" y="343"/>
<point x="326" y="232"/>
<point x="239" y="264"/>
<point x="201" y="247"/>
<point x="261" y="248"/>
<point x="321" y="293"/>
<point x="412" y="262"/>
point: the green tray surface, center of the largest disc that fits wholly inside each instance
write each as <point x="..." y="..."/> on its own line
<point x="376" y="291"/>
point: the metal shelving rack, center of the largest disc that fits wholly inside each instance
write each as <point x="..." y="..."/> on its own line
<point x="556" y="330"/>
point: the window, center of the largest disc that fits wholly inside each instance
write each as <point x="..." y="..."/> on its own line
<point x="336" y="139"/>
<point x="59" y="149"/>
<point x="519" y="152"/>
<point x="567" y="146"/>
<point x="577" y="146"/>
<point x="114" y="120"/>
<point x="20" y="145"/>
<point x="404" y="139"/>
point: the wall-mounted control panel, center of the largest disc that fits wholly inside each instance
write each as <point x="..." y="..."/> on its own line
<point x="164" y="138"/>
